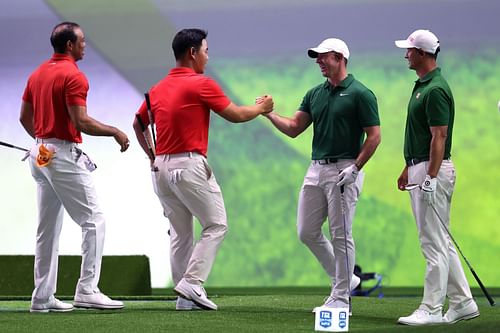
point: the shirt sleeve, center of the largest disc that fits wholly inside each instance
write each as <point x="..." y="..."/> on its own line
<point x="438" y="108"/>
<point x="368" y="114"/>
<point x="213" y="96"/>
<point x="76" y="90"/>
<point x="305" y="106"/>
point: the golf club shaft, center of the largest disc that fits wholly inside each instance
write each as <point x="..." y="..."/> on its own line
<point x="483" y="288"/>
<point x="151" y="118"/>
<point x="344" y="208"/>
<point x="12" y="146"/>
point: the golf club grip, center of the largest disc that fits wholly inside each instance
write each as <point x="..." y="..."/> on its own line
<point x="143" y="129"/>
<point x="483" y="288"/>
<point x="151" y="118"/>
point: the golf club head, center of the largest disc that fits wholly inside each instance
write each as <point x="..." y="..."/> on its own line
<point x="411" y="187"/>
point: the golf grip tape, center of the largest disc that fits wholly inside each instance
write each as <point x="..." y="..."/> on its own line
<point x="151" y="118"/>
<point x="143" y="129"/>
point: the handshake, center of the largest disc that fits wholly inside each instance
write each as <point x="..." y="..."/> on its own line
<point x="266" y="103"/>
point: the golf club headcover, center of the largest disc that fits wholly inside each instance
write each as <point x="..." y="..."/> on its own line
<point x="44" y="156"/>
<point x="348" y="175"/>
<point x="429" y="190"/>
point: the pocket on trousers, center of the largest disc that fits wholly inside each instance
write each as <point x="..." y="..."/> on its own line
<point x="210" y="178"/>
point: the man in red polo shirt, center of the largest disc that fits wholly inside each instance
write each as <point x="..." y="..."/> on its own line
<point x="182" y="178"/>
<point x="54" y="112"/>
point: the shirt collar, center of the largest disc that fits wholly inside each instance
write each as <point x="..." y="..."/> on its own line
<point x="62" y="57"/>
<point x="182" y="71"/>
<point x="429" y="76"/>
<point x="343" y="84"/>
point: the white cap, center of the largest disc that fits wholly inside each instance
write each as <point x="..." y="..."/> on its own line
<point x="329" y="45"/>
<point x="420" y="39"/>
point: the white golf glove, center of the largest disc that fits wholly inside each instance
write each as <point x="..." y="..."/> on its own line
<point x="348" y="175"/>
<point x="175" y="176"/>
<point x="429" y="190"/>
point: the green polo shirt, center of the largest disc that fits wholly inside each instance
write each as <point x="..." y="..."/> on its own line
<point x="339" y="115"/>
<point x="431" y="104"/>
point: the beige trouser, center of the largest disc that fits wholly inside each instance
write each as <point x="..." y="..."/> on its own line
<point x="187" y="188"/>
<point x="320" y="198"/>
<point x="65" y="184"/>
<point x="444" y="273"/>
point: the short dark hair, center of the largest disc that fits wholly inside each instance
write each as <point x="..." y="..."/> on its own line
<point x="61" y="34"/>
<point x="186" y="39"/>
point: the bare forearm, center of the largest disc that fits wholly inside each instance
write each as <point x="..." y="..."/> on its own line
<point x="94" y="127"/>
<point x="436" y="155"/>
<point x="285" y="125"/>
<point x="142" y="140"/>
<point x="246" y="113"/>
<point x="367" y="150"/>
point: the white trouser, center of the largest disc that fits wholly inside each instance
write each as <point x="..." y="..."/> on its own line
<point x="320" y="198"/>
<point x="187" y="188"/>
<point x="65" y="183"/>
<point x="444" y="273"/>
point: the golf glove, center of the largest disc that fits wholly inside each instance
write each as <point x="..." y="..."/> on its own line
<point x="429" y="190"/>
<point x="348" y="175"/>
<point x="175" y="175"/>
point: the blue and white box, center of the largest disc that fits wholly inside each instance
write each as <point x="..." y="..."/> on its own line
<point x="331" y="319"/>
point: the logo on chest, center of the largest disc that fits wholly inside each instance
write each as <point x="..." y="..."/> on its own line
<point x="417" y="96"/>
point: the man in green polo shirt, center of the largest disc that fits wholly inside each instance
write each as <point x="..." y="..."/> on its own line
<point x="343" y="110"/>
<point x="427" y="152"/>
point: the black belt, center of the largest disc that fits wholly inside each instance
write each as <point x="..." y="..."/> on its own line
<point x="326" y="161"/>
<point x="415" y="161"/>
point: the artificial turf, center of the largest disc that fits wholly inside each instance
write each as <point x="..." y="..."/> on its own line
<point x="253" y="312"/>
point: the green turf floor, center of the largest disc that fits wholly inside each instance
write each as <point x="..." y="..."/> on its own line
<point x="237" y="313"/>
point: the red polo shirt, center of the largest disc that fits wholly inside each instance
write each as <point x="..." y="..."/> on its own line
<point x="53" y="86"/>
<point x="181" y="105"/>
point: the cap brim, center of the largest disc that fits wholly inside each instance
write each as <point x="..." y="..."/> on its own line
<point x="403" y="44"/>
<point x="313" y="53"/>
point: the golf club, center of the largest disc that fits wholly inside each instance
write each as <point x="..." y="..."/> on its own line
<point x="151" y="118"/>
<point x="344" y="212"/>
<point x="410" y="187"/>
<point x="12" y="146"/>
<point x="146" y="136"/>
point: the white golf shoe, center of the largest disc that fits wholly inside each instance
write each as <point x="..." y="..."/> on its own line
<point x="195" y="293"/>
<point x="96" y="300"/>
<point x="421" y="317"/>
<point x="53" y="305"/>
<point x="183" y="304"/>
<point x="454" y="315"/>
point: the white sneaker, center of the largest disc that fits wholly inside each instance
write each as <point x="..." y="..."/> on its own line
<point x="184" y="304"/>
<point x="96" y="300"/>
<point x="421" y="317"/>
<point x="469" y="312"/>
<point x="195" y="293"/>
<point x="53" y="305"/>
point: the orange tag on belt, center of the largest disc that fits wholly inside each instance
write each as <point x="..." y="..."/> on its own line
<point x="44" y="156"/>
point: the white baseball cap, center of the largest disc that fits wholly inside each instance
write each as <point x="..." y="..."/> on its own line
<point x="329" y="45"/>
<point x="420" y="39"/>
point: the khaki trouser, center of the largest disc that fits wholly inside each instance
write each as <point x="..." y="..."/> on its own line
<point x="444" y="273"/>
<point x="319" y="198"/>
<point x="187" y="188"/>
<point x="65" y="183"/>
